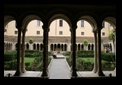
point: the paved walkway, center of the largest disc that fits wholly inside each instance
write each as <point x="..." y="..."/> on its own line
<point x="59" y="69"/>
<point x="26" y="74"/>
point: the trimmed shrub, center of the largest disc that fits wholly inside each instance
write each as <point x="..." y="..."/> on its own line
<point x="108" y="57"/>
<point x="9" y="56"/>
<point x="10" y="65"/>
<point x="84" y="53"/>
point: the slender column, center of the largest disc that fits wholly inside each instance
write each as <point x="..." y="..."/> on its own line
<point x="23" y="52"/>
<point x="68" y="46"/>
<point x="95" y="52"/>
<point x="49" y="47"/>
<point x="18" y="71"/>
<point x="99" y="27"/>
<point x="115" y="47"/>
<point x="45" y="52"/>
<point x="73" y="41"/>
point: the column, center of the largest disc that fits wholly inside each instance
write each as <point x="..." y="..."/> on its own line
<point x="68" y="46"/>
<point x="45" y="52"/>
<point x="73" y="55"/>
<point x="115" y="47"/>
<point x="13" y="45"/>
<point x="23" y="51"/>
<point x="18" y="71"/>
<point x="99" y="27"/>
<point x="95" y="51"/>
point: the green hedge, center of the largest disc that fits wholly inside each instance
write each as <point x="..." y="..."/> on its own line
<point x="33" y="53"/>
<point x="108" y="56"/>
<point x="87" y="64"/>
<point x="10" y="65"/>
<point x="8" y="56"/>
<point x="84" y="53"/>
<point x="90" y="54"/>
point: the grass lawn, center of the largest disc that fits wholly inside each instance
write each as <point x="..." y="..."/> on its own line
<point x="88" y="59"/>
<point x="28" y="59"/>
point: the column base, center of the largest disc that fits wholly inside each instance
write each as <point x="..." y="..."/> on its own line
<point x="94" y="70"/>
<point x="100" y="73"/>
<point x="44" y="75"/>
<point x="74" y="77"/>
<point x="23" y="70"/>
<point x="17" y="73"/>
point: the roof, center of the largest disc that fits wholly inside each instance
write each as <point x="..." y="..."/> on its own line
<point x="54" y="39"/>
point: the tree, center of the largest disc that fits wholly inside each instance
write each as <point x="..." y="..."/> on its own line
<point x="31" y="42"/>
<point x="112" y="36"/>
<point x="85" y="42"/>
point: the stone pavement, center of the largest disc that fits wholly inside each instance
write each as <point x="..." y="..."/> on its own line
<point x="26" y="74"/>
<point x="59" y="69"/>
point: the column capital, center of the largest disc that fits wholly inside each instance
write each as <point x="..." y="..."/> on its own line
<point x="94" y="30"/>
<point x="45" y="28"/>
<point x="18" y="24"/>
<point x="74" y="27"/>
<point x="114" y="30"/>
<point x="24" y="30"/>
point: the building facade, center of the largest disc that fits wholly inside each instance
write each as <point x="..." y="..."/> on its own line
<point x="59" y="35"/>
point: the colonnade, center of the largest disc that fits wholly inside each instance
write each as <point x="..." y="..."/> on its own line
<point x="93" y="17"/>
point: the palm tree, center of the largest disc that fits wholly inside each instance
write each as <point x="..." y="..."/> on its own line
<point x="85" y="42"/>
<point x="112" y="37"/>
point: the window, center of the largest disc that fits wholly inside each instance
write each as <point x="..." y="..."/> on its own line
<point x="103" y="33"/>
<point x="82" y="33"/>
<point x="38" y="32"/>
<point x="60" y="23"/>
<point x="16" y="32"/>
<point x="38" y="23"/>
<point x="82" y="23"/>
<point x="60" y="33"/>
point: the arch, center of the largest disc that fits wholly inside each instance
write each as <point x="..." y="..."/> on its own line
<point x="89" y="17"/>
<point x="92" y="47"/>
<point x="111" y="20"/>
<point x="37" y="46"/>
<point x="89" y="47"/>
<point x="82" y="46"/>
<point x="78" y="47"/>
<point x="27" y="46"/>
<point x="54" y="47"/>
<point x="51" y="47"/>
<point x="65" y="47"/>
<point x="34" y="46"/>
<point x="41" y="46"/>
<point x="9" y="17"/>
<point x="62" y="47"/>
<point x="28" y="18"/>
<point x="59" y="14"/>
